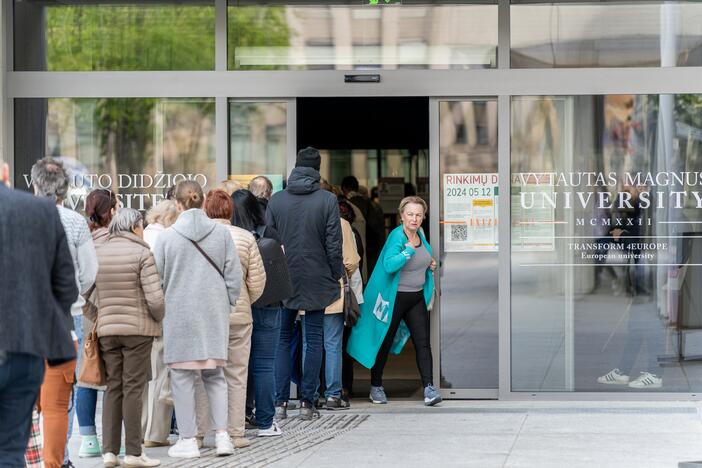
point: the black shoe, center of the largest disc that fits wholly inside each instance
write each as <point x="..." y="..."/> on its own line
<point x="335" y="404"/>
<point x="251" y="422"/>
<point x="68" y="464"/>
<point x="308" y="412"/>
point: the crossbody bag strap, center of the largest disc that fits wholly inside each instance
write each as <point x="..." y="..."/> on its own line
<point x="207" y="257"/>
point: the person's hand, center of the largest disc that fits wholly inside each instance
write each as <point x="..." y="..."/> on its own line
<point x="432" y="265"/>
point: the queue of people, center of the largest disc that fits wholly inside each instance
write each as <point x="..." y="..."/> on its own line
<point x="195" y="307"/>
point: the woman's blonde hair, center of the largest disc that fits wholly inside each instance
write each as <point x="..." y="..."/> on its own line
<point x="409" y="200"/>
<point x="164" y="213"/>
<point x="189" y="194"/>
<point x="229" y="186"/>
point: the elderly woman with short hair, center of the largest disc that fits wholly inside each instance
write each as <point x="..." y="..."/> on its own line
<point x="129" y="317"/>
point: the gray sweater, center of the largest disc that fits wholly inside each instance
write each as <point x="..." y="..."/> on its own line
<point x="198" y="300"/>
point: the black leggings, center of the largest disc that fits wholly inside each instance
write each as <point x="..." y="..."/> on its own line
<point x="411" y="307"/>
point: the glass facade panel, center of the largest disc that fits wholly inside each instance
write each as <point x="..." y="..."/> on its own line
<point x="606" y="255"/>
<point x="468" y="244"/>
<point x="630" y="34"/>
<point x="135" y="147"/>
<point x="342" y="37"/>
<point x="111" y="36"/>
<point x="258" y="142"/>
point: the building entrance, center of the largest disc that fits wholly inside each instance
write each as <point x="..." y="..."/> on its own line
<point x="381" y="144"/>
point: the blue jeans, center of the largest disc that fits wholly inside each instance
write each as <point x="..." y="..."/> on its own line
<point x="21" y="376"/>
<point x="312" y="362"/>
<point x="333" y="350"/>
<point x="264" y="344"/>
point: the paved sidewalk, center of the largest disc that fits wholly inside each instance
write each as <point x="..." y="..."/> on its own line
<point x="477" y="434"/>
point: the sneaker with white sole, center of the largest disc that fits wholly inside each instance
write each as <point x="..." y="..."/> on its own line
<point x="377" y="395"/>
<point x="223" y="444"/>
<point x="613" y="377"/>
<point x="89" y="447"/>
<point x="110" y="460"/>
<point x="273" y="431"/>
<point x="142" y="461"/>
<point x="647" y="380"/>
<point x="431" y="396"/>
<point x="184" y="448"/>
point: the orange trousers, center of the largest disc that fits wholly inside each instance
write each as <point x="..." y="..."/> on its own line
<point x="54" y="401"/>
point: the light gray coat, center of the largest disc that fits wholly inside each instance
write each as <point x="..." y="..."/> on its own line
<point x="198" y="300"/>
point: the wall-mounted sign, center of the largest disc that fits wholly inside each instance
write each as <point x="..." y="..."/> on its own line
<point x="470" y="212"/>
<point x="139" y="191"/>
<point x="533" y="224"/>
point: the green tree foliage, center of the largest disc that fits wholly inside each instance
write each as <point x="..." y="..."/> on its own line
<point x="106" y="37"/>
<point x="252" y="26"/>
<point x="130" y="38"/>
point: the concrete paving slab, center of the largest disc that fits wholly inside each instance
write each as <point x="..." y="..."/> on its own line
<point x="485" y="434"/>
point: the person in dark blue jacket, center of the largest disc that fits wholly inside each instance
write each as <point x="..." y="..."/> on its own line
<point x="309" y="225"/>
<point x="37" y="288"/>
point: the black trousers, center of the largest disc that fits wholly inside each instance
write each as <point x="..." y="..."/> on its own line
<point x="410" y="307"/>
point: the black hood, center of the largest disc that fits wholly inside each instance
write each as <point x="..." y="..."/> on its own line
<point x="303" y="180"/>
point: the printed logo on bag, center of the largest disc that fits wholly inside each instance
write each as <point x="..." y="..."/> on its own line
<point x="381" y="309"/>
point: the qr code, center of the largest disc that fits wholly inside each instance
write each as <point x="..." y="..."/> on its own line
<point x="459" y="232"/>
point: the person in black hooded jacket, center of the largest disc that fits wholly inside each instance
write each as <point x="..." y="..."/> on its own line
<point x="308" y="222"/>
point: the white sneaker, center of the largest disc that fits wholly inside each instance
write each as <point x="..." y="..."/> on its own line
<point x="273" y="431"/>
<point x="184" y="448"/>
<point x="130" y="461"/>
<point x="647" y="380"/>
<point x="613" y="377"/>
<point x="110" y="460"/>
<point x="224" y="444"/>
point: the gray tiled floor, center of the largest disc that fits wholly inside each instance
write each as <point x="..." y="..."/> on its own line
<point x="479" y="434"/>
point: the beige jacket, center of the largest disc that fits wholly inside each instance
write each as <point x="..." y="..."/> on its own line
<point x="351" y="260"/>
<point x="129" y="296"/>
<point x="253" y="273"/>
<point x="100" y="236"/>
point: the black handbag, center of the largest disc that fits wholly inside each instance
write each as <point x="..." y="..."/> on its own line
<point x="352" y="311"/>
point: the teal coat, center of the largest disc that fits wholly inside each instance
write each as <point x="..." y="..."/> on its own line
<point x="379" y="300"/>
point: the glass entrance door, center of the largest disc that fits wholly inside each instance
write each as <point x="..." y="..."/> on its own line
<point x="464" y="185"/>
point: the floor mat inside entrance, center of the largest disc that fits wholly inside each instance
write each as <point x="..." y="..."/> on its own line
<point x="297" y="435"/>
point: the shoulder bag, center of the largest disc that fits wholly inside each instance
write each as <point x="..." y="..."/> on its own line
<point x="92" y="369"/>
<point x="351" y="308"/>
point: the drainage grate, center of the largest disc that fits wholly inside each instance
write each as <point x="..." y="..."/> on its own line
<point x="297" y="435"/>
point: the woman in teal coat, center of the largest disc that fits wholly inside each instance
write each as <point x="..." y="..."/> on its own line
<point x="395" y="304"/>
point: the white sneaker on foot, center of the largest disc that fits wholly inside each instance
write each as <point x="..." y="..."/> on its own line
<point x="224" y="444"/>
<point x="614" y="377"/>
<point x="647" y="380"/>
<point x="184" y="448"/>
<point x="273" y="431"/>
<point x="110" y="460"/>
<point x="142" y="461"/>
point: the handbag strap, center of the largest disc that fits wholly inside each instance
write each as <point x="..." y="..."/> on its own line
<point x="207" y="257"/>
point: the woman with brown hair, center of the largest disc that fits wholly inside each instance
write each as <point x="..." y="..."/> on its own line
<point x="100" y="207"/>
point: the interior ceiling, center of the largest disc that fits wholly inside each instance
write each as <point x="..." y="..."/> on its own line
<point x="363" y="123"/>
